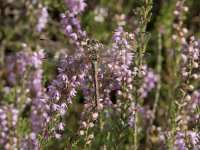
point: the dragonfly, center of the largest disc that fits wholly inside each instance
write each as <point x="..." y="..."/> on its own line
<point x="91" y="51"/>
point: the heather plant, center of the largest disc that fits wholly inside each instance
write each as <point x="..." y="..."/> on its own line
<point x="141" y="91"/>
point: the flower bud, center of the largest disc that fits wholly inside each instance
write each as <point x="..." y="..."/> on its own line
<point x="191" y="87"/>
<point x="81" y="132"/>
<point x="91" y="125"/>
<point x="94" y="116"/>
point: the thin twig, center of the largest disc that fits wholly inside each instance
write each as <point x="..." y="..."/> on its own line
<point x="159" y="67"/>
<point x="2" y="54"/>
<point x="135" y="122"/>
<point x="141" y="47"/>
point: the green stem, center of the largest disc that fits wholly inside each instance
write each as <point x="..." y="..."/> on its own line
<point x="159" y="67"/>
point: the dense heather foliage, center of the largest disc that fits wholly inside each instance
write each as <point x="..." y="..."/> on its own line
<point x="149" y="78"/>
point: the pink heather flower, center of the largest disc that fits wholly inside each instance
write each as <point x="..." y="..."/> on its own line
<point x="8" y="121"/>
<point x="71" y="26"/>
<point x="57" y="136"/>
<point x="161" y="137"/>
<point x="72" y="93"/>
<point x="34" y="89"/>
<point x="68" y="28"/>
<point x="81" y="132"/>
<point x="131" y="119"/>
<point x="61" y="126"/>
<point x="55" y="107"/>
<point x="197" y="43"/>
<point x="76" y="6"/>
<point x="95" y="116"/>
<point x="119" y="68"/>
<point x="146" y="112"/>
<point x="63" y="109"/>
<point x="30" y="142"/>
<point x="74" y="36"/>
<point x="42" y="19"/>
<point x="37" y="58"/>
<point x="118" y="39"/>
<point x="181" y="142"/>
<point x="149" y="84"/>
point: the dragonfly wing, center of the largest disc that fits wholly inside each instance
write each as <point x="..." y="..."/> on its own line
<point x="107" y="52"/>
<point x="56" y="50"/>
<point x="143" y="37"/>
<point x="53" y="46"/>
<point x="70" y="66"/>
<point x="60" y="47"/>
<point x="112" y="54"/>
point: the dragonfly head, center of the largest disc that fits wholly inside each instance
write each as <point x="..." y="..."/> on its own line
<point x="93" y="47"/>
